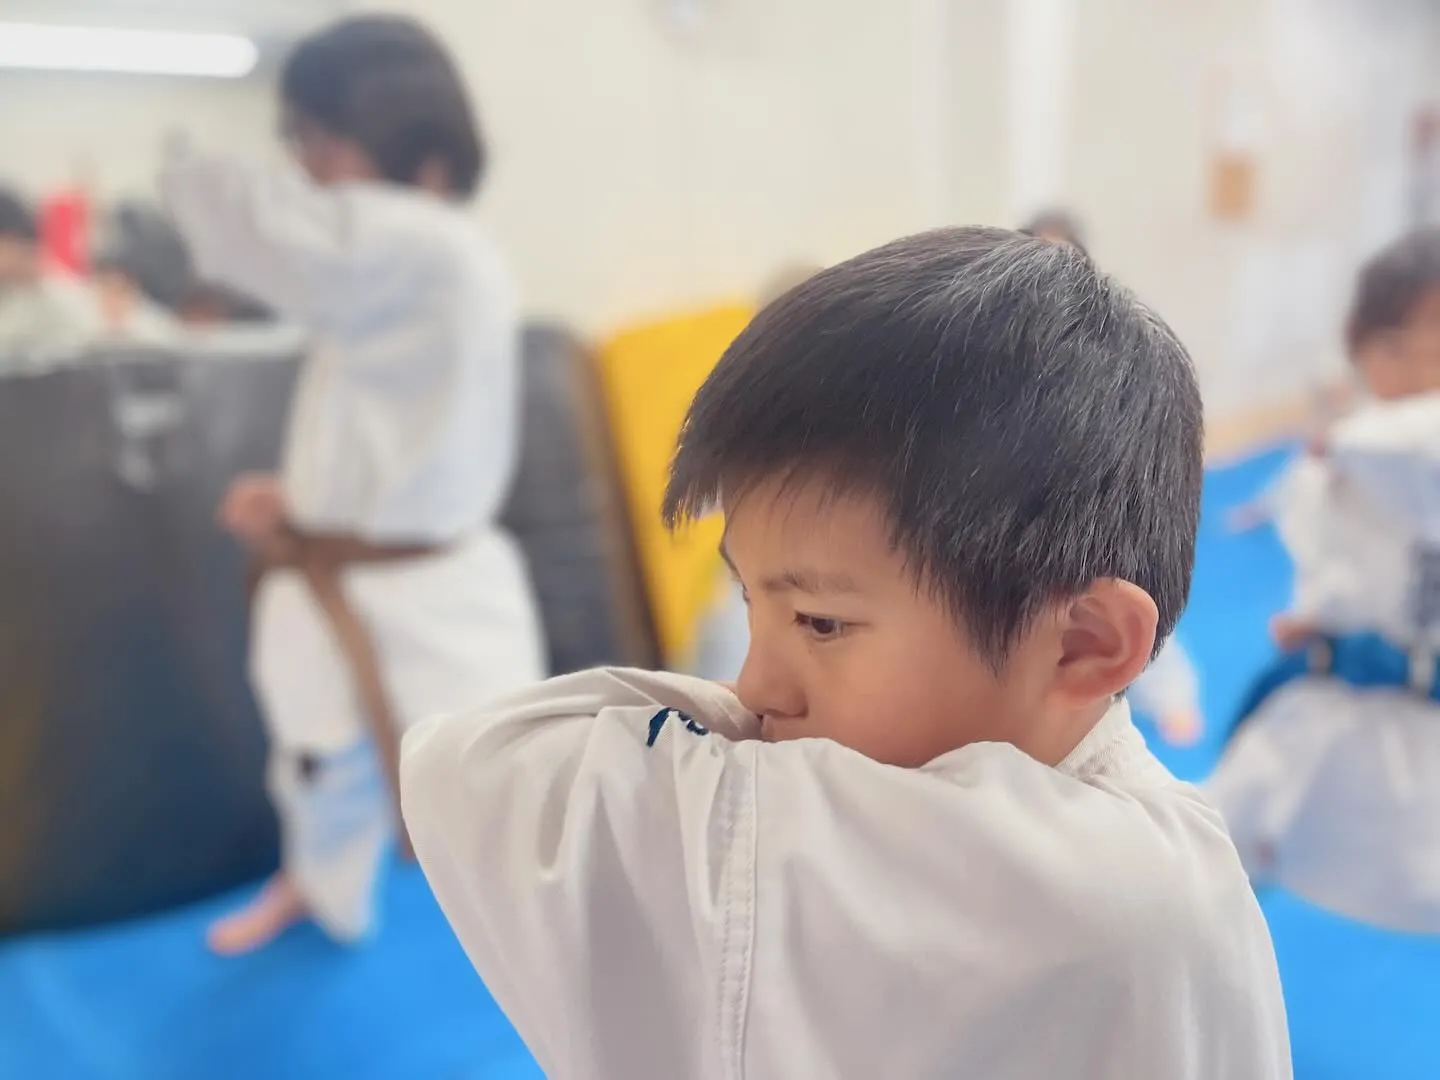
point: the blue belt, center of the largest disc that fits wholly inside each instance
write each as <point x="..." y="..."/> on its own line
<point x="1368" y="661"/>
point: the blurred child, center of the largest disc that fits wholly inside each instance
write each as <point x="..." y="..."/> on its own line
<point x="38" y="311"/>
<point x="141" y="270"/>
<point x="921" y="838"/>
<point x="1328" y="783"/>
<point x="388" y="591"/>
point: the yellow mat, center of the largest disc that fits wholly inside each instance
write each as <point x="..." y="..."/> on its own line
<point x="650" y="373"/>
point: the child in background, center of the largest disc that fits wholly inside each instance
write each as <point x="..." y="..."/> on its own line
<point x="386" y="590"/>
<point x="39" y="311"/>
<point x="1328" y="783"/>
<point x="141" y="270"/>
<point x="921" y="838"/>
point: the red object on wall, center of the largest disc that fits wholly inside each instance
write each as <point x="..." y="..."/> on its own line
<point x="65" y="232"/>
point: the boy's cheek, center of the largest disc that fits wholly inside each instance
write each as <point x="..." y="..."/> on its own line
<point x="883" y="723"/>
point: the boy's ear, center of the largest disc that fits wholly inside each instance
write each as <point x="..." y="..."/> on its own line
<point x="1106" y="638"/>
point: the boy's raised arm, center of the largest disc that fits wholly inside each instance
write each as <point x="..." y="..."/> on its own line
<point x="644" y="898"/>
<point x="558" y="832"/>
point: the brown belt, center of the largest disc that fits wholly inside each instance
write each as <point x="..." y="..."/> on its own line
<point x="321" y="561"/>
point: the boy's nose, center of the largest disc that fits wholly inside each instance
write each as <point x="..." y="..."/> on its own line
<point x="767" y="688"/>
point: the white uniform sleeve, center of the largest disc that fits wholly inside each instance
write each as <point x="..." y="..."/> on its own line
<point x="583" y="842"/>
<point x="644" y="899"/>
<point x="265" y="231"/>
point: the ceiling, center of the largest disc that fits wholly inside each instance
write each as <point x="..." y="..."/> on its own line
<point x="261" y="19"/>
<point x="272" y="24"/>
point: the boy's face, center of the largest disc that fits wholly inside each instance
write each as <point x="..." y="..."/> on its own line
<point x="327" y="158"/>
<point x="844" y="646"/>
<point x="1406" y="360"/>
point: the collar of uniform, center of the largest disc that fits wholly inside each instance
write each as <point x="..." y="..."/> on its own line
<point x="1106" y="741"/>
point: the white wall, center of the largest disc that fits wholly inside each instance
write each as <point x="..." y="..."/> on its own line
<point x="56" y="128"/>
<point x="1328" y="86"/>
<point x="636" y="172"/>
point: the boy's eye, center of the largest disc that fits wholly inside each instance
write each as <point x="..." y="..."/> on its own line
<point x="819" y="626"/>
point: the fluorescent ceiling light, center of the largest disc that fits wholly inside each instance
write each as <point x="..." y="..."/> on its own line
<point x="141" y="52"/>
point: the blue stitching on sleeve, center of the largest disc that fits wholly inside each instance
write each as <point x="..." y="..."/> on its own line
<point x="657" y="724"/>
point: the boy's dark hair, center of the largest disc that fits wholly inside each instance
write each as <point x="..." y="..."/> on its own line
<point x="389" y="84"/>
<point x="1028" y="425"/>
<point x="1057" y="222"/>
<point x="1391" y="284"/>
<point x="17" y="220"/>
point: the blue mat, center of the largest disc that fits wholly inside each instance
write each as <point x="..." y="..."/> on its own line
<point x="146" y="1002"/>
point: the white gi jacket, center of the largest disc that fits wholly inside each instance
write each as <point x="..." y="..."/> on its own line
<point x="404" y="430"/>
<point x="646" y="899"/>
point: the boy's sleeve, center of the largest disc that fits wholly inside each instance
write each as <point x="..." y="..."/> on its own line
<point x="584" y="839"/>
<point x="264" y="231"/>
<point x="647" y="899"/>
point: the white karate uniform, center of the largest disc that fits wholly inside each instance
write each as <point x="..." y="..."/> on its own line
<point x="652" y="893"/>
<point x="56" y="314"/>
<point x="1331" y="790"/>
<point x="403" y="431"/>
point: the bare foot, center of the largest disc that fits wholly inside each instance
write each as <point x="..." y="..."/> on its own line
<point x="276" y="909"/>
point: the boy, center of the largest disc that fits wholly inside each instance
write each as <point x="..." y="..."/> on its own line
<point x="1327" y="783"/>
<point x="921" y="838"/>
<point x="387" y="591"/>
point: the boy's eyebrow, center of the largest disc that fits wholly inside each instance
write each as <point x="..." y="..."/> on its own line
<point x="799" y="579"/>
